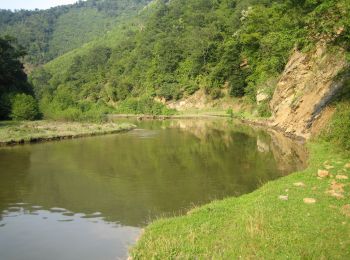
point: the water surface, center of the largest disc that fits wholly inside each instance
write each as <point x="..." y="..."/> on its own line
<point x="89" y="198"/>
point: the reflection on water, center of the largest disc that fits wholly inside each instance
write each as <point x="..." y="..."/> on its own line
<point x="89" y="198"/>
<point x="32" y="233"/>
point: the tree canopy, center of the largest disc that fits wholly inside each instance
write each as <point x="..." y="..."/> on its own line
<point x="12" y="77"/>
<point x="170" y="49"/>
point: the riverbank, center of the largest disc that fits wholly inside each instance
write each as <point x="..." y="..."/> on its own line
<point x="303" y="215"/>
<point x="245" y="118"/>
<point x="184" y="115"/>
<point x="12" y="133"/>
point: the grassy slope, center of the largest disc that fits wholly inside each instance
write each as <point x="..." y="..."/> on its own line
<point x="260" y="224"/>
<point x="25" y="132"/>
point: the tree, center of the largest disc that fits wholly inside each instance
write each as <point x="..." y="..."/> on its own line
<point x="24" y="107"/>
<point x="12" y="77"/>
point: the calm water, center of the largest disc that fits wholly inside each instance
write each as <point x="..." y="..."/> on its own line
<point x="89" y="198"/>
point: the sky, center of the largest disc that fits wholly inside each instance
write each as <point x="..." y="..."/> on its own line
<point x="32" y="4"/>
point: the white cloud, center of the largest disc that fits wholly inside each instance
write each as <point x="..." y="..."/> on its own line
<point x="62" y="2"/>
<point x="33" y="4"/>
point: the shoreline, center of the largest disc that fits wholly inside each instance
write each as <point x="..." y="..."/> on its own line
<point x="260" y="122"/>
<point x="20" y="133"/>
<point x="112" y="128"/>
<point x="284" y="216"/>
<point x="165" y="117"/>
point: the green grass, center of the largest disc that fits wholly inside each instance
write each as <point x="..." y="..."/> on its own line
<point x="260" y="225"/>
<point x="12" y="132"/>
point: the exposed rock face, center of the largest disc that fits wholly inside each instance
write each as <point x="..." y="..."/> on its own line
<point x="200" y="101"/>
<point x="197" y="101"/>
<point x="261" y="97"/>
<point x="305" y="88"/>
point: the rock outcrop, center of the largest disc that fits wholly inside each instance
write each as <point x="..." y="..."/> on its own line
<point x="306" y="86"/>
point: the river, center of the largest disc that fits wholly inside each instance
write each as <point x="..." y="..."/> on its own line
<point x="90" y="198"/>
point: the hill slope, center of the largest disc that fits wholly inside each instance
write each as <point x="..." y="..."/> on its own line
<point x="47" y="34"/>
<point x="176" y="47"/>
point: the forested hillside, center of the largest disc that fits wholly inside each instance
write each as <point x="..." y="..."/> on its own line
<point x="16" y="94"/>
<point x="180" y="46"/>
<point x="47" y="34"/>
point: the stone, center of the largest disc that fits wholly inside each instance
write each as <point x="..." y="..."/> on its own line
<point x="322" y="173"/>
<point x="336" y="190"/>
<point x="283" y="197"/>
<point x="261" y="97"/>
<point x="309" y="200"/>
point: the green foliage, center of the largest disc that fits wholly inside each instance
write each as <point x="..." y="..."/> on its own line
<point x="47" y="34"/>
<point x="216" y="93"/>
<point x="173" y="48"/>
<point x="24" y="107"/>
<point x="260" y="224"/>
<point x="191" y="88"/>
<point x="12" y="77"/>
<point x="229" y="112"/>
<point x="5" y="105"/>
<point x="63" y="108"/>
<point x="339" y="130"/>
<point x="264" y="109"/>
<point x="169" y="91"/>
<point x="143" y="105"/>
<point x="335" y="25"/>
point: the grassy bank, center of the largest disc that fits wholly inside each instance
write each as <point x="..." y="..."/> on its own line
<point x="12" y="132"/>
<point x="305" y="215"/>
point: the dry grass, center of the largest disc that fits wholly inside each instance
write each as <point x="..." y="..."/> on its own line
<point x="35" y="131"/>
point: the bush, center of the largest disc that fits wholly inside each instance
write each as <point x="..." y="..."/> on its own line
<point x="170" y="91"/>
<point x="80" y="111"/>
<point x="190" y="89"/>
<point x="145" y="105"/>
<point x="229" y="112"/>
<point x="237" y="86"/>
<point x="264" y="110"/>
<point x="5" y="106"/>
<point x="216" y="93"/>
<point x="338" y="131"/>
<point x="24" y="107"/>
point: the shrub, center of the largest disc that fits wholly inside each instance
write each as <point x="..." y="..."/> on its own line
<point x="264" y="110"/>
<point x="145" y="105"/>
<point x="24" y="107"/>
<point x="84" y="110"/>
<point x="229" y="112"/>
<point x="237" y="86"/>
<point x="5" y="106"/>
<point x="190" y="89"/>
<point x="338" y="131"/>
<point x="169" y="91"/>
<point x="216" y="93"/>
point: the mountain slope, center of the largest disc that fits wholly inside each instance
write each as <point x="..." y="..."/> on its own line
<point x="173" y="48"/>
<point x="47" y="34"/>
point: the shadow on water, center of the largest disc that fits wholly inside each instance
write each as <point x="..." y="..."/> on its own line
<point x="113" y="185"/>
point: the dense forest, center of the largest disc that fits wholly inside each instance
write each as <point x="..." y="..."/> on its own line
<point x="47" y="34"/>
<point x="169" y="50"/>
<point x="173" y="48"/>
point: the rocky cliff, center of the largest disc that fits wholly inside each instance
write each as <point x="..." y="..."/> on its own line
<point x="300" y="102"/>
<point x="305" y="88"/>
